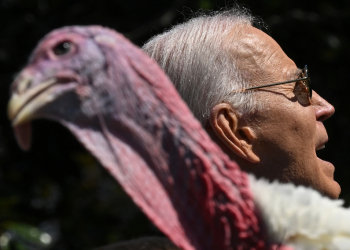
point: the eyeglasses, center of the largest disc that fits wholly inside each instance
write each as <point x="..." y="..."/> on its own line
<point x="302" y="89"/>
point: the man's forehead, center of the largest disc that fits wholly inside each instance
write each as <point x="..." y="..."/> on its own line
<point x="256" y="43"/>
<point x="258" y="55"/>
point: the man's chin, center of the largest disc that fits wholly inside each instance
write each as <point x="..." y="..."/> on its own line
<point x="334" y="191"/>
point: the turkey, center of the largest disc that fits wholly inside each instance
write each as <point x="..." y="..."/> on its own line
<point x="124" y="110"/>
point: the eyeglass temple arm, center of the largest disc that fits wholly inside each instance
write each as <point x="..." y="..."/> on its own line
<point x="269" y="85"/>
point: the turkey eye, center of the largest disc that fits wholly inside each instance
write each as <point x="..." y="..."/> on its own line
<point x="62" y="48"/>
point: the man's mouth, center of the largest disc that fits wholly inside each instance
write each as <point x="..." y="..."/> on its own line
<point x="322" y="145"/>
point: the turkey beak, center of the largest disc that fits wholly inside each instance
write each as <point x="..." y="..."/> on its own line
<point x="24" y="103"/>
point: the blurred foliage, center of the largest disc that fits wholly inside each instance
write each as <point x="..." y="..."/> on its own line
<point x="21" y="236"/>
<point x="58" y="190"/>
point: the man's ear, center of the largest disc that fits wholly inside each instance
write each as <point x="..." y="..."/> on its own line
<point x="225" y="124"/>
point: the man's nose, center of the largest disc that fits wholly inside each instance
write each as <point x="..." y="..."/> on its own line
<point x="323" y="109"/>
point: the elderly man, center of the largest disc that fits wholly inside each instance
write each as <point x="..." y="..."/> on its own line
<point x="223" y="68"/>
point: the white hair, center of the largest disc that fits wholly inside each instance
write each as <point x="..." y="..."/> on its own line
<point x="199" y="59"/>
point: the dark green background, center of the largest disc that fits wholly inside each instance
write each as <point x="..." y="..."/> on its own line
<point x="60" y="189"/>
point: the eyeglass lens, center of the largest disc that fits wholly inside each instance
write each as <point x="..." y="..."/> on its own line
<point x="302" y="90"/>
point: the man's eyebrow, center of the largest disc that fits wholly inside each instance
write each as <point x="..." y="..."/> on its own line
<point x="296" y="74"/>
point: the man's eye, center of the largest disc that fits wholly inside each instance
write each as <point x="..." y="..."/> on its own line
<point x="62" y="48"/>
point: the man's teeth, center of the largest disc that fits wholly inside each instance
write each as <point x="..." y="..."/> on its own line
<point x="321" y="147"/>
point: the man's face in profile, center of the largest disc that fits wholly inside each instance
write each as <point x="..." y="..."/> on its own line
<point x="288" y="133"/>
